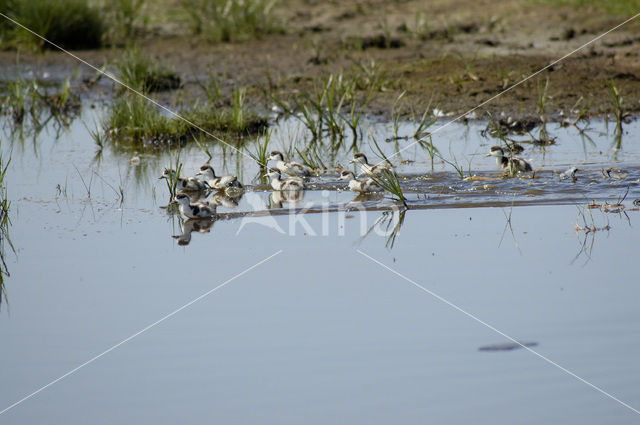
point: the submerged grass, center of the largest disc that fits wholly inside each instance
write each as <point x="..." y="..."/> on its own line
<point x="616" y="101"/>
<point x="261" y="156"/>
<point x="5" y="222"/>
<point x="388" y="180"/>
<point x="31" y="105"/>
<point x="331" y="107"/>
<point x="311" y="157"/>
<point x="135" y="122"/>
<point x="173" y="177"/>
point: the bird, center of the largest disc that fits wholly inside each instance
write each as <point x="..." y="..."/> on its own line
<point x="290" y="183"/>
<point x="369" y="169"/>
<point x="512" y="164"/>
<point x="182" y="183"/>
<point x="190" y="210"/>
<point x="569" y="174"/>
<point x="364" y="185"/>
<point x="218" y="182"/>
<point x="292" y="168"/>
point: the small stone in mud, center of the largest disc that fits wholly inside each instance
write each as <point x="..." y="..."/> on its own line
<point x="568" y="34"/>
<point x="488" y="42"/>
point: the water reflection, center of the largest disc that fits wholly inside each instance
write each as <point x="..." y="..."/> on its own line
<point x="389" y="225"/>
<point x="4" y="229"/>
<point x="224" y="199"/>
<point x="289" y="197"/>
<point x="587" y="227"/>
<point x="193" y="225"/>
<point x="212" y="200"/>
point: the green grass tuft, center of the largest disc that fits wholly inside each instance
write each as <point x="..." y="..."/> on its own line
<point x="134" y="122"/>
<point x="72" y="24"/>
<point x="144" y="74"/>
<point x="228" y="20"/>
<point x="612" y="7"/>
<point x="261" y="156"/>
<point x="388" y="180"/>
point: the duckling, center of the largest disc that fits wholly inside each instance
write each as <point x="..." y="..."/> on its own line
<point x="183" y="183"/>
<point x="369" y="169"/>
<point x="215" y="182"/>
<point x="364" y="185"/>
<point x="509" y="163"/>
<point x="292" y="168"/>
<point x="569" y="174"/>
<point x="190" y="210"/>
<point x="290" y="183"/>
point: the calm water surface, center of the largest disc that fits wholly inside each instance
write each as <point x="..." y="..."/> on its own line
<point x="319" y="333"/>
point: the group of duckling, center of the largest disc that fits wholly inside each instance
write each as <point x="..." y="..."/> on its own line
<point x="285" y="176"/>
<point x="297" y="173"/>
<point x="225" y="190"/>
<point x="291" y="177"/>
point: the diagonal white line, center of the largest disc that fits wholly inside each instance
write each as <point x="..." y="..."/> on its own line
<point x="116" y="80"/>
<point x="157" y="322"/>
<point x="448" y="123"/>
<point x="449" y="303"/>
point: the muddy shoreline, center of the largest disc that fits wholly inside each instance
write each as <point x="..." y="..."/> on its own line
<point x="453" y="67"/>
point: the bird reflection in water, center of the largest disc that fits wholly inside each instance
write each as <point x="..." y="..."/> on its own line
<point x="281" y="197"/>
<point x="194" y="225"/>
<point x="204" y="225"/>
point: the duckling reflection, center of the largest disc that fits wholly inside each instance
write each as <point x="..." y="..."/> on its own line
<point x="192" y="225"/>
<point x="368" y="196"/>
<point x="281" y="197"/>
<point x="225" y="199"/>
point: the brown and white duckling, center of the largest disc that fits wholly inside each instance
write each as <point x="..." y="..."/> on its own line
<point x="513" y="163"/>
<point x="569" y="174"/>
<point x="182" y="183"/>
<point x="370" y="170"/>
<point x="190" y="210"/>
<point x="290" y="183"/>
<point x="364" y="185"/>
<point x="290" y="167"/>
<point x="218" y="182"/>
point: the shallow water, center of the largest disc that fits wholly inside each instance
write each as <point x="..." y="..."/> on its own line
<point x="320" y="332"/>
